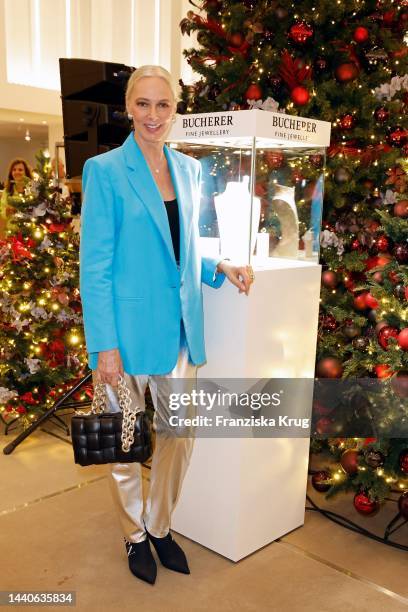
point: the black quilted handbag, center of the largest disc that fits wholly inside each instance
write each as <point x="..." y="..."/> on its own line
<point x="111" y="437"/>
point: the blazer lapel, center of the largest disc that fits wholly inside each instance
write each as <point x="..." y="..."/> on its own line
<point x="180" y="175"/>
<point x="145" y="186"/>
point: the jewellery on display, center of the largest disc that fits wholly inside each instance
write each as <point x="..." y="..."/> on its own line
<point x="284" y="206"/>
<point x="236" y="211"/>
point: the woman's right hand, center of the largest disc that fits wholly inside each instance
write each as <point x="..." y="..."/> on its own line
<point x="109" y="367"/>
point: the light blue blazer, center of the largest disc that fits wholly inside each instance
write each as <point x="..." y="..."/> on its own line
<point x="133" y="293"/>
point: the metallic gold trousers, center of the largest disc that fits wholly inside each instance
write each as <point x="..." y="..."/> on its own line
<point x="171" y="454"/>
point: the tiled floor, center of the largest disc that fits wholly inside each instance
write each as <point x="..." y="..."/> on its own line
<point x="58" y="531"/>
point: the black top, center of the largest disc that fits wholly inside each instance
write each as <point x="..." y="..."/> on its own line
<point x="174" y="223"/>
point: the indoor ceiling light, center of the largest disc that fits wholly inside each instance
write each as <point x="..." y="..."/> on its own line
<point x="27" y="135"/>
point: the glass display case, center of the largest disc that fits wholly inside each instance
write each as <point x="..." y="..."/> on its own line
<point x="262" y="182"/>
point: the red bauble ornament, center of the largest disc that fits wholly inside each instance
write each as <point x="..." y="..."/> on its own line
<point x="403" y="339"/>
<point x="380" y="325"/>
<point x="382" y="370"/>
<point x="401" y="253"/>
<point x="401" y="209"/>
<point x="254" y="92"/>
<point x="385" y="334"/>
<point x="299" y="95"/>
<point x="360" y="301"/>
<point x="346" y="72"/>
<point x="402" y="505"/>
<point x="323" y="426"/>
<point x="356" y="245"/>
<point x="329" y="367"/>
<point x="300" y="33"/>
<point x="316" y="160"/>
<point x="399" y="383"/>
<point x="364" y="505"/>
<point x="235" y="39"/>
<point x="275" y="159"/>
<point x="347" y="121"/>
<point x="321" y="481"/>
<point x="329" y="279"/>
<point x="396" y="136"/>
<point x="403" y="461"/>
<point x="329" y="322"/>
<point x="381" y="114"/>
<point x="378" y="277"/>
<point x="371" y="262"/>
<point x="383" y="259"/>
<point x="378" y="261"/>
<point x="370" y="301"/>
<point x="406" y="293"/>
<point x="349" y="461"/>
<point x="360" y="34"/>
<point x="388" y="17"/>
<point x="21" y="409"/>
<point x="382" y="243"/>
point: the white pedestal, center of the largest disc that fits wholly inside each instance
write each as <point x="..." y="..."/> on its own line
<point x="240" y="494"/>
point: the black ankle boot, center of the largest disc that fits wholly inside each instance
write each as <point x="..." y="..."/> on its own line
<point x="170" y="553"/>
<point x="141" y="560"/>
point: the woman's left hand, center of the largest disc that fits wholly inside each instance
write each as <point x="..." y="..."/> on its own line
<point x="240" y="276"/>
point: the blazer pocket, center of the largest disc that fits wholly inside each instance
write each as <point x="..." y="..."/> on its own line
<point x="128" y="298"/>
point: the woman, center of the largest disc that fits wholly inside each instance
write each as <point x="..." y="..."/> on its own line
<point x="141" y="275"/>
<point x="18" y="174"/>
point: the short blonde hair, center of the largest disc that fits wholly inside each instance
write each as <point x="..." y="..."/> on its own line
<point x="149" y="70"/>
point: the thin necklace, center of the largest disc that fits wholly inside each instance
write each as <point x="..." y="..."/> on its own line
<point x="157" y="168"/>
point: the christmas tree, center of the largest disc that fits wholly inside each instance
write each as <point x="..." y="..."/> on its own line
<point x="42" y="346"/>
<point x="344" y="62"/>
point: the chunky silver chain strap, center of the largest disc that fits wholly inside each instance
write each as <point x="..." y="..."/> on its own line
<point x="125" y="403"/>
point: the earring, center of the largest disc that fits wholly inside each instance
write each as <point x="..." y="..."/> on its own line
<point x="130" y="117"/>
<point x="174" y="119"/>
